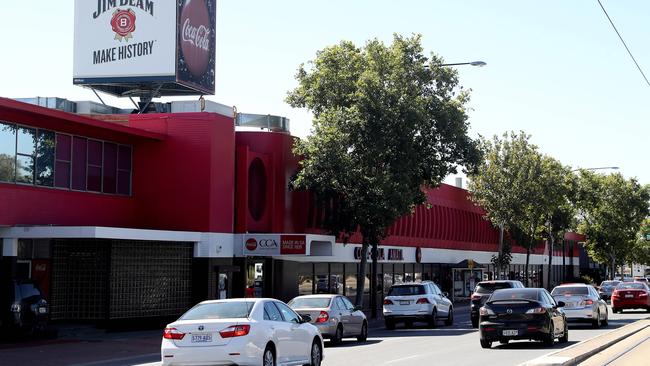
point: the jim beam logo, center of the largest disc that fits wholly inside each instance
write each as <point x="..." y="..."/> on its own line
<point x="123" y="24"/>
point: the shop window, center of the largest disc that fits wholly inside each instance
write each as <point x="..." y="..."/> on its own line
<point x="63" y="161"/>
<point x="336" y="278"/>
<point x="351" y="280"/>
<point x="45" y="146"/>
<point x="110" y="168"/>
<point x="79" y="157"/>
<point x="305" y="279"/>
<point x="7" y="152"/>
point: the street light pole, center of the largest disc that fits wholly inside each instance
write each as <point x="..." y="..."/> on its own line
<point x="472" y="63"/>
<point x="600" y="168"/>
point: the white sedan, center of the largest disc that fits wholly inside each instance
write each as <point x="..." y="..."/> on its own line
<point x="241" y="332"/>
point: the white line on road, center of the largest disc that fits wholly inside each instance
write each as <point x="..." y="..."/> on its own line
<point x="116" y="360"/>
<point x="400" y="359"/>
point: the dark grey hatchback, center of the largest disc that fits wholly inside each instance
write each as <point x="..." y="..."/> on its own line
<point x="522" y="313"/>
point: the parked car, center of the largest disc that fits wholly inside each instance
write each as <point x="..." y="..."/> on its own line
<point x="483" y="291"/>
<point x="631" y="295"/>
<point x="522" y="313"/>
<point x="25" y="310"/>
<point x="333" y="315"/>
<point x="242" y="332"/>
<point x="582" y="303"/>
<point x="606" y="288"/>
<point x="411" y="302"/>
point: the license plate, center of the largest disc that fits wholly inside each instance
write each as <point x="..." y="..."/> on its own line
<point x="629" y="296"/>
<point x="201" y="338"/>
<point x="404" y="302"/>
<point x="510" y="332"/>
<point x="568" y="305"/>
<point x="42" y="310"/>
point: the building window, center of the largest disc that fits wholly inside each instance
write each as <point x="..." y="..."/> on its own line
<point x="124" y="170"/>
<point x="45" y="147"/>
<point x="95" y="162"/>
<point x="63" y="161"/>
<point x="25" y="151"/>
<point x="305" y="278"/>
<point x="7" y="152"/>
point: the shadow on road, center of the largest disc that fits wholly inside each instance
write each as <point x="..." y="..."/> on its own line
<point x="351" y="343"/>
<point x="530" y="345"/>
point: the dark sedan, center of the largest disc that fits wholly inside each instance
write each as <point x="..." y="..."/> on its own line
<point x="522" y="313"/>
<point x="483" y="291"/>
<point x="606" y="289"/>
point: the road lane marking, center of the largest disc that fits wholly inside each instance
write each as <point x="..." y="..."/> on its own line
<point x="400" y="359"/>
<point x="112" y="360"/>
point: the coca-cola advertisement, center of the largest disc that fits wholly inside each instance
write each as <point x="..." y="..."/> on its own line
<point x="196" y="40"/>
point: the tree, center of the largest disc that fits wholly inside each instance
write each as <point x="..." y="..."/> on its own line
<point x="388" y="122"/>
<point x="640" y="253"/>
<point x="500" y="185"/>
<point x="611" y="210"/>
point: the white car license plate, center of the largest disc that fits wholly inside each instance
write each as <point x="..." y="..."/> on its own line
<point x="404" y="302"/>
<point x="629" y="296"/>
<point x="510" y="332"/>
<point x="42" y="310"/>
<point x="201" y="338"/>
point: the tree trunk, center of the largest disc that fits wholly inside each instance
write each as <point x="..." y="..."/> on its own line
<point x="613" y="257"/>
<point x="361" y="274"/>
<point x="550" y="261"/>
<point x="500" y="266"/>
<point x="373" y="282"/>
<point x="526" y="267"/>
<point x="564" y="276"/>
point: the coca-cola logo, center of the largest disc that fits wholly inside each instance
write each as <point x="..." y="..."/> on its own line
<point x="196" y="36"/>
<point x="251" y="244"/>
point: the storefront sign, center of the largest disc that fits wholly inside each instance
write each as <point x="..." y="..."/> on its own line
<point x="382" y="254"/>
<point x="146" y="41"/>
<point x="272" y="245"/>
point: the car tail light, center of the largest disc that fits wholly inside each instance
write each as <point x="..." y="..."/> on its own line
<point x="235" y="331"/>
<point x="387" y="302"/>
<point x="588" y="302"/>
<point x="423" y="300"/>
<point x="485" y="311"/>
<point x="536" y="311"/>
<point x="643" y="294"/>
<point x="323" y="317"/>
<point x="476" y="297"/>
<point x="615" y="294"/>
<point x="173" y="333"/>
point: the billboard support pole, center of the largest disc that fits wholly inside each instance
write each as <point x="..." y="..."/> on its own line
<point x="96" y="94"/>
<point x="149" y="98"/>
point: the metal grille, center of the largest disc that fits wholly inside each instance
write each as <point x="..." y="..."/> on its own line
<point x="150" y="279"/>
<point x="79" y="279"/>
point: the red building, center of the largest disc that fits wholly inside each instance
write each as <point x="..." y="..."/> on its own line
<point x="127" y="215"/>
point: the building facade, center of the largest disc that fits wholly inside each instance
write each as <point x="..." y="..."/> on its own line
<point x="133" y="216"/>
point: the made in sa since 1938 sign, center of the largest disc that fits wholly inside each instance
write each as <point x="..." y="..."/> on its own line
<point x="146" y="41"/>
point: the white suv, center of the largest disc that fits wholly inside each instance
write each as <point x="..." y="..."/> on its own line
<point x="409" y="302"/>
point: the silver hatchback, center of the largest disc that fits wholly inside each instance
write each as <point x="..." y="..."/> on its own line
<point x="333" y="315"/>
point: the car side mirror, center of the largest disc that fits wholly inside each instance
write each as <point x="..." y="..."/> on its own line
<point x="305" y="318"/>
<point x="357" y="308"/>
<point x="445" y="294"/>
<point x="560" y="304"/>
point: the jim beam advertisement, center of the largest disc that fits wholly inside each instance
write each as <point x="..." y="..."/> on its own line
<point x="141" y="41"/>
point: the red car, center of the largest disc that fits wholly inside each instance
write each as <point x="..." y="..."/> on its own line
<point x="631" y="295"/>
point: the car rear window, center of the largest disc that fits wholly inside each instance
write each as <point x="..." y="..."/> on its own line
<point x="490" y="287"/>
<point x="310" y="302"/>
<point x="515" y="294"/>
<point x="219" y="310"/>
<point x="631" y="286"/>
<point x="406" y="290"/>
<point x="569" y="291"/>
<point x="609" y="284"/>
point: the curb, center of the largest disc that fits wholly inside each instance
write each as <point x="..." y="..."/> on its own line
<point x="557" y="359"/>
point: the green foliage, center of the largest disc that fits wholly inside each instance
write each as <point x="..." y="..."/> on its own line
<point x="640" y="253"/>
<point x="612" y="210"/>
<point x="387" y="122"/>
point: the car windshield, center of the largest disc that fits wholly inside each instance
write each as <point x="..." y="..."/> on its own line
<point x="630" y="286"/>
<point x="310" y="302"/>
<point x="570" y="291"/>
<point x="406" y="290"/>
<point x="219" y="310"/>
<point x="490" y="287"/>
<point x="609" y="284"/>
<point x="515" y="294"/>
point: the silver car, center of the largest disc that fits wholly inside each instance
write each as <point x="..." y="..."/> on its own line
<point x="582" y="303"/>
<point x="333" y="315"/>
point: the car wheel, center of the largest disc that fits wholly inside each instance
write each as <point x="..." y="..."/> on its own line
<point x="605" y="322"/>
<point x="433" y="319"/>
<point x="450" y="317"/>
<point x="338" y="335"/>
<point x="390" y="324"/>
<point x="504" y="341"/>
<point x="549" y="340"/>
<point x="316" y="354"/>
<point x="486" y="344"/>
<point x="268" y="359"/>
<point x="615" y="310"/>
<point x="647" y="310"/>
<point x="596" y="322"/>
<point x="364" y="333"/>
<point x="565" y="336"/>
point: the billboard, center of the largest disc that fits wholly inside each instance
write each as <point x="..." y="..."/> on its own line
<point x="274" y="244"/>
<point x="130" y="47"/>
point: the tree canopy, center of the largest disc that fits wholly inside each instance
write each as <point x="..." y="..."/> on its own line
<point x="388" y="121"/>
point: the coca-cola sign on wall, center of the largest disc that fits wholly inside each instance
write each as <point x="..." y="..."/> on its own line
<point x="196" y="40"/>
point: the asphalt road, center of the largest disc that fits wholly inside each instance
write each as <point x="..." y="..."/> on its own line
<point x="454" y="345"/>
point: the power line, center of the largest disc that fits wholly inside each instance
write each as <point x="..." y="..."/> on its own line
<point x="624" y="44"/>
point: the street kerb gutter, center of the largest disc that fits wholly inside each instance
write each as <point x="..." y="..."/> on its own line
<point x="573" y="355"/>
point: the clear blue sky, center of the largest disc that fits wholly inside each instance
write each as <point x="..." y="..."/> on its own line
<point x="555" y="68"/>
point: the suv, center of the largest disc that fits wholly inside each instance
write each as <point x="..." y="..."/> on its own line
<point x="409" y="302"/>
<point x="483" y="291"/>
<point x="24" y="310"/>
